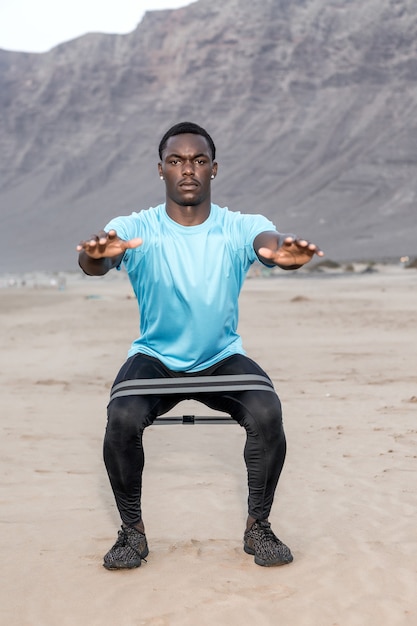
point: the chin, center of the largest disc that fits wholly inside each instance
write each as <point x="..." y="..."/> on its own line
<point x="190" y="202"/>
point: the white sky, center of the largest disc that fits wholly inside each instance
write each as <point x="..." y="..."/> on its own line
<point x="39" y="25"/>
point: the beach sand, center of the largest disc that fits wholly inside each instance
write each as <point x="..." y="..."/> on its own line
<point x="342" y="352"/>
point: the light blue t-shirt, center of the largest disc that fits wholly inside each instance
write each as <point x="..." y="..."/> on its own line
<point x="187" y="280"/>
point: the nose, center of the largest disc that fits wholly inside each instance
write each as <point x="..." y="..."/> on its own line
<point x="188" y="168"/>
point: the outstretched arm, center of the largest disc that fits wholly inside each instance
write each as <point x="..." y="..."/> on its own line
<point x="287" y="251"/>
<point x="101" y="252"/>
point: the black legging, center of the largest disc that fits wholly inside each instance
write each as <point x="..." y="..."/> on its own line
<point x="254" y="405"/>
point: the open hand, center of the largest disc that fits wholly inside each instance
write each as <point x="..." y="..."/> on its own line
<point x="107" y="245"/>
<point x="292" y="253"/>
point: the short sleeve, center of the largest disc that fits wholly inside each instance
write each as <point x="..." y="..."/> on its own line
<point x="126" y="227"/>
<point x="249" y="227"/>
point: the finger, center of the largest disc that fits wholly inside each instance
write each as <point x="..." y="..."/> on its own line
<point x="92" y="242"/>
<point x="315" y="249"/>
<point x="91" y="250"/>
<point x="100" y="238"/>
<point x="88" y="244"/>
<point x="81" y="245"/>
<point x="104" y="237"/>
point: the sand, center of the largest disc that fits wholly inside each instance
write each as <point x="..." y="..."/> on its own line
<point x="341" y="349"/>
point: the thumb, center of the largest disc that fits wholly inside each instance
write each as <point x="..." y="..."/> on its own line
<point x="266" y="253"/>
<point x="134" y="243"/>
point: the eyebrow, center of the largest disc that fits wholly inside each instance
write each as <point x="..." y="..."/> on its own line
<point x="180" y="156"/>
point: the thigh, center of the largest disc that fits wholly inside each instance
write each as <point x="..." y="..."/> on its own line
<point x="133" y="413"/>
<point x="141" y="366"/>
<point x="236" y="365"/>
<point x="128" y="404"/>
<point x="255" y="398"/>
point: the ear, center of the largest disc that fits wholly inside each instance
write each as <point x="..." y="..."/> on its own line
<point x="214" y="169"/>
<point x="160" y="172"/>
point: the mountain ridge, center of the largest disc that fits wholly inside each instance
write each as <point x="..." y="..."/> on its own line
<point x="312" y="107"/>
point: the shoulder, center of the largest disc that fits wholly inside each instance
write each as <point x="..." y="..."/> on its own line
<point x="130" y="225"/>
<point x="226" y="216"/>
<point x="251" y="223"/>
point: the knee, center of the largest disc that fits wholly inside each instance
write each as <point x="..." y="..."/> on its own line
<point x="266" y="420"/>
<point x="122" y="419"/>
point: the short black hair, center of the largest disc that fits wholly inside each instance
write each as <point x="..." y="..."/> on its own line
<point x="181" y="129"/>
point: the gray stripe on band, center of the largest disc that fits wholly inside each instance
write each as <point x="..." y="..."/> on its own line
<point x="191" y="381"/>
<point x="185" y="390"/>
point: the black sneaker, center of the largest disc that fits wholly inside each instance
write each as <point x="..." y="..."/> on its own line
<point x="260" y="541"/>
<point x="129" y="550"/>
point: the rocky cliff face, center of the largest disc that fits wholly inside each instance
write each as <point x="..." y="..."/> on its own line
<point x="312" y="105"/>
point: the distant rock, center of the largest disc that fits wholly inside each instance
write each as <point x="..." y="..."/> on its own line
<point x="312" y="105"/>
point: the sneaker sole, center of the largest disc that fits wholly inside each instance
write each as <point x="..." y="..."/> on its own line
<point x="118" y="565"/>
<point x="265" y="563"/>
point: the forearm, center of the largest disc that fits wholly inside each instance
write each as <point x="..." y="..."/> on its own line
<point x="97" y="267"/>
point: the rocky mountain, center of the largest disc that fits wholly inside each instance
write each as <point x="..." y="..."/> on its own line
<point x="312" y="105"/>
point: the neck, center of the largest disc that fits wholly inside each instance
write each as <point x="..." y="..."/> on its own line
<point x="188" y="215"/>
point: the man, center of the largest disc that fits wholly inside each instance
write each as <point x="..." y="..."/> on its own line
<point x="187" y="260"/>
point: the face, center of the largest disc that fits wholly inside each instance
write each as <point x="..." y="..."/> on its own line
<point x="187" y="168"/>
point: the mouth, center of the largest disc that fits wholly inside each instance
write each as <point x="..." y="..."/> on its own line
<point x="188" y="184"/>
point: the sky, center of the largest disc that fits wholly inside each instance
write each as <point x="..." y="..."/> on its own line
<point x="39" y="25"/>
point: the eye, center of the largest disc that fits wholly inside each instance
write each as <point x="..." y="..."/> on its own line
<point x="200" y="161"/>
<point x="174" y="161"/>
